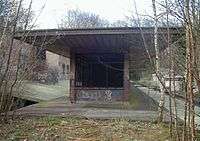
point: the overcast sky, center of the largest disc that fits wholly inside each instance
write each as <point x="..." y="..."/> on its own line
<point x="111" y="10"/>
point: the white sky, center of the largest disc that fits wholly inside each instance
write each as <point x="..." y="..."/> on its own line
<point x="111" y="10"/>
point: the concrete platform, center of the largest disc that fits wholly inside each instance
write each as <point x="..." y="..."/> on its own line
<point x="61" y="107"/>
<point x="38" y="92"/>
<point x="179" y="102"/>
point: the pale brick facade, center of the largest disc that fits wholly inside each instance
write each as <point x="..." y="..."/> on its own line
<point x="35" y="64"/>
<point x="58" y="62"/>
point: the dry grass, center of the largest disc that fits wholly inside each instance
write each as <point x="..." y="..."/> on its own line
<point x="76" y="129"/>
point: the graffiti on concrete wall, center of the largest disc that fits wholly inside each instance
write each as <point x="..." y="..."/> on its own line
<point x="108" y="95"/>
<point x="102" y="95"/>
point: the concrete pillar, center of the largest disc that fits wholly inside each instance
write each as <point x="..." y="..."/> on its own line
<point x="72" y="78"/>
<point x="126" y="77"/>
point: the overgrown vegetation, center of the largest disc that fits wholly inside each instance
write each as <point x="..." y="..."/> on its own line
<point x="14" y="17"/>
<point x="52" y="128"/>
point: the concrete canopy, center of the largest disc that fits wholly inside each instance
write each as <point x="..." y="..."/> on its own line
<point x="104" y="76"/>
<point x="94" y="40"/>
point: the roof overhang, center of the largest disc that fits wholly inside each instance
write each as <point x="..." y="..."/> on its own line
<point x="95" y="40"/>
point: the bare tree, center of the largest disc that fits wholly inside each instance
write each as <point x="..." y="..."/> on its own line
<point x="157" y="66"/>
<point x="80" y="19"/>
<point x="11" y="53"/>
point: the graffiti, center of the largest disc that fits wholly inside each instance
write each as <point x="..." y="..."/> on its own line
<point x="108" y="95"/>
<point x="92" y="95"/>
<point x="98" y="95"/>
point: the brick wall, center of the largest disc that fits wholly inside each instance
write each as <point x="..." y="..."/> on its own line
<point x="60" y="63"/>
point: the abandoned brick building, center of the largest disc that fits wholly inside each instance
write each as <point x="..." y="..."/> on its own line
<point x="100" y="59"/>
<point x="48" y="63"/>
<point x="28" y="58"/>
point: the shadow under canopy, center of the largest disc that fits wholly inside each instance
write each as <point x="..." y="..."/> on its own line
<point x="100" y="57"/>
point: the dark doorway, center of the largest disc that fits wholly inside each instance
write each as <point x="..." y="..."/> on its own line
<point x="99" y="70"/>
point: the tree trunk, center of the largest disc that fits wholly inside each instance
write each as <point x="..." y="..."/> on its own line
<point x="190" y="60"/>
<point x="157" y="67"/>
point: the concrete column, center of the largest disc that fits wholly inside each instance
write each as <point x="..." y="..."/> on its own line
<point x="72" y="78"/>
<point x="126" y="77"/>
